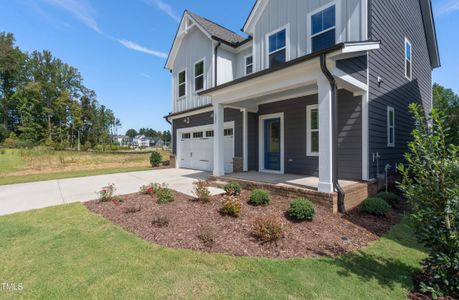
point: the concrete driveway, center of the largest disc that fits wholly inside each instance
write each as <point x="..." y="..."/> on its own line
<point x="27" y="196"/>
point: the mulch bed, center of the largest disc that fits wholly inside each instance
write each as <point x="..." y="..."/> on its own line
<point x="200" y="226"/>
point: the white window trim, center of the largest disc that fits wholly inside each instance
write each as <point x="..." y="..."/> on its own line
<point x="203" y="60"/>
<point x="287" y="43"/>
<point x="389" y="128"/>
<point x="309" y="130"/>
<point x="246" y="65"/>
<point x="407" y="41"/>
<point x="178" y="84"/>
<point x="337" y="27"/>
<point x="261" y="142"/>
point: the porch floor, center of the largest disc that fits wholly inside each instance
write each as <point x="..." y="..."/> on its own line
<point x="302" y="181"/>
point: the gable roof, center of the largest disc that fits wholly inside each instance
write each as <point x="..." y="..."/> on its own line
<point x="431" y="34"/>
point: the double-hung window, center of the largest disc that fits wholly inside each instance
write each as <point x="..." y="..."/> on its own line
<point x="182" y="84"/>
<point x="390" y="127"/>
<point x="199" y="76"/>
<point x="312" y="139"/>
<point x="277" y="48"/>
<point x="408" y="60"/>
<point x="323" y="29"/>
<point x="248" y="64"/>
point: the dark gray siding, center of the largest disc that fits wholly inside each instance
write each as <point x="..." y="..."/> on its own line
<point x="252" y="141"/>
<point x="391" y="21"/>
<point x="206" y="119"/>
<point x="356" y="67"/>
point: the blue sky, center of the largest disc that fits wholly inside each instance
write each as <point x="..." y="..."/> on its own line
<point x="119" y="46"/>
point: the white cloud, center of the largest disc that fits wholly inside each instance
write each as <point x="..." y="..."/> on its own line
<point x="147" y="76"/>
<point x="448" y="8"/>
<point x="136" y="47"/>
<point x="167" y="9"/>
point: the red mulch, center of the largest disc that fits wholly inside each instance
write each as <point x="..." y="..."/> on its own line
<point x="327" y="235"/>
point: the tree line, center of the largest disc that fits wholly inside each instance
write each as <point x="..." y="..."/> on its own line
<point x="149" y="132"/>
<point x="44" y="101"/>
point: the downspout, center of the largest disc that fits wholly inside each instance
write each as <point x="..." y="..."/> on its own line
<point x="334" y="96"/>
<point x="215" y="62"/>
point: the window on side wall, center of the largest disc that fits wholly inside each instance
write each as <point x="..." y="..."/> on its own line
<point x="182" y="84"/>
<point x="199" y="76"/>
<point x="312" y="121"/>
<point x="408" y="60"/>
<point x="323" y="29"/>
<point x="248" y="65"/>
<point x="390" y="127"/>
<point x="277" y="48"/>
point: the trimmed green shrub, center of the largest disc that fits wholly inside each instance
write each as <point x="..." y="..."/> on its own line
<point x="259" y="197"/>
<point x="232" y="189"/>
<point x="375" y="206"/>
<point x="155" y="159"/>
<point x="301" y="209"/>
<point x="164" y="195"/>
<point x="391" y="198"/>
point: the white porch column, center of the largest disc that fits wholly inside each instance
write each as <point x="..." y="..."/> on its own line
<point x="325" y="137"/>
<point x="245" y="146"/>
<point x="219" y="164"/>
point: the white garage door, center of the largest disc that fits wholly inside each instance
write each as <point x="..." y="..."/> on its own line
<point x="195" y="148"/>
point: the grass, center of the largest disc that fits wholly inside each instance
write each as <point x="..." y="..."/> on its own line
<point x="27" y="165"/>
<point x="68" y="252"/>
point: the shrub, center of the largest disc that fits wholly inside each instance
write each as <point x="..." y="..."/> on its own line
<point x="132" y="209"/>
<point x="201" y="190"/>
<point x="149" y="189"/>
<point x="375" y="206"/>
<point x="301" y="209"/>
<point x="391" y="198"/>
<point x="207" y="237"/>
<point x="155" y="159"/>
<point x="259" y="197"/>
<point x="107" y="193"/>
<point x="164" y="195"/>
<point x="268" y="229"/>
<point x="232" y="189"/>
<point x="12" y="141"/>
<point x="160" y="222"/>
<point x="232" y="206"/>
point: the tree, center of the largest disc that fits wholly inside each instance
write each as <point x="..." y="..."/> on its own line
<point x="131" y="133"/>
<point x="430" y="183"/>
<point x="447" y="103"/>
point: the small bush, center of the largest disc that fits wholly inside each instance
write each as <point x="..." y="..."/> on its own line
<point x="232" y="189"/>
<point x="107" y="193"/>
<point x="259" y="197"/>
<point x="207" y="237"/>
<point x="391" y="198"/>
<point x="164" y="195"/>
<point x="232" y="206"/>
<point x="155" y="159"/>
<point x="160" y="222"/>
<point x="132" y="209"/>
<point x="375" y="206"/>
<point x="149" y="189"/>
<point x="201" y="190"/>
<point x="2" y="151"/>
<point x="301" y="209"/>
<point x="268" y="229"/>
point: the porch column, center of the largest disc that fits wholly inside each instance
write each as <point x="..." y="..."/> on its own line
<point x="245" y="146"/>
<point x="219" y="165"/>
<point x="325" y="137"/>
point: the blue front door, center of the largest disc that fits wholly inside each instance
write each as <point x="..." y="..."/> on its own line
<point x="272" y="145"/>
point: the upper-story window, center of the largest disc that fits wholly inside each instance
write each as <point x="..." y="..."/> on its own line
<point x="182" y="83"/>
<point x="323" y="29"/>
<point x="408" y="60"/>
<point x="248" y="64"/>
<point x="199" y="76"/>
<point x="277" y="48"/>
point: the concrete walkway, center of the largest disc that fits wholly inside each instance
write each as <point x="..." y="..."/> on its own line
<point x="27" y="196"/>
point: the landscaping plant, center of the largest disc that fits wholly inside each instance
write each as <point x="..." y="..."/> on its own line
<point x="232" y="206"/>
<point x="430" y="183"/>
<point x="268" y="228"/>
<point x="164" y="194"/>
<point x="391" y="198"/>
<point x="375" y="206"/>
<point x="149" y="189"/>
<point x="207" y="237"/>
<point x="201" y="190"/>
<point x="301" y="209"/>
<point x="160" y="222"/>
<point x="155" y="159"/>
<point x="259" y="197"/>
<point x="107" y="193"/>
<point x="232" y="189"/>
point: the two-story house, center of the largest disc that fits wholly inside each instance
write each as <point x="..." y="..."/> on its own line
<point x="314" y="87"/>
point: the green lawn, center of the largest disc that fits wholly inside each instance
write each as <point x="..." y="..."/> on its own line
<point x="66" y="252"/>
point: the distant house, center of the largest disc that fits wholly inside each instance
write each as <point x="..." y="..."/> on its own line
<point x="141" y="141"/>
<point x="157" y="142"/>
<point x="122" y="140"/>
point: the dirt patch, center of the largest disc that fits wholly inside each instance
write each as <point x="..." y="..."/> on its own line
<point x="189" y="224"/>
